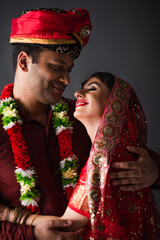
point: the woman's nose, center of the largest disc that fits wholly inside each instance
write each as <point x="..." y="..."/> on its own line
<point x="79" y="94"/>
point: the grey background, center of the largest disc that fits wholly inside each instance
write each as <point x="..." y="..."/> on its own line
<point x="125" y="40"/>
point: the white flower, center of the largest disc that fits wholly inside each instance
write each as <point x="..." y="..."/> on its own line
<point x="60" y="129"/>
<point x="69" y="185"/>
<point x="32" y="202"/>
<point x="7" y="100"/>
<point x="52" y="107"/>
<point x="9" y="125"/>
<point x="25" y="187"/>
<point x="27" y="172"/>
<point x="70" y="173"/>
<point x="8" y="111"/>
<point x="61" y="115"/>
<point x="62" y="163"/>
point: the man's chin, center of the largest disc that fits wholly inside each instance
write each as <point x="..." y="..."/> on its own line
<point x="54" y="101"/>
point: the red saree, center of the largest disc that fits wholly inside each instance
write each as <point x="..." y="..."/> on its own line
<point x="116" y="214"/>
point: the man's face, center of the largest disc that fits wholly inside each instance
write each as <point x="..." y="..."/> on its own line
<point x="48" y="77"/>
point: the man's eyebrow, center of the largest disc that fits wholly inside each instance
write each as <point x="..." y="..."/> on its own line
<point x="62" y="62"/>
<point x="59" y="61"/>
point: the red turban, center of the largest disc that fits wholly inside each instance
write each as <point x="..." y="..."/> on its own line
<point x="65" y="31"/>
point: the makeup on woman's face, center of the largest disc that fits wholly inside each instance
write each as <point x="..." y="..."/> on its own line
<point x="91" y="99"/>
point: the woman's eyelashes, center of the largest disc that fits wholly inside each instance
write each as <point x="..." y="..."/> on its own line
<point x="91" y="89"/>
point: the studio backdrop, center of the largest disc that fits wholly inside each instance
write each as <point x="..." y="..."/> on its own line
<point x="125" y="41"/>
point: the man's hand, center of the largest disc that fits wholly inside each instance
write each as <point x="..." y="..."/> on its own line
<point x="48" y="230"/>
<point x="138" y="174"/>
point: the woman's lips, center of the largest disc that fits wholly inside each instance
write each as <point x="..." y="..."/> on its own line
<point x="81" y="103"/>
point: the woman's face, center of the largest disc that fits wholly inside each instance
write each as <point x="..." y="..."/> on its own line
<point x="91" y="100"/>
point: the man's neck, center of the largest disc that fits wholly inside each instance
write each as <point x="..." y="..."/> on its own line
<point x="33" y="110"/>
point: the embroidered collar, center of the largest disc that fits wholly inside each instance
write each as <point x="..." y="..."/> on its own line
<point x="25" y="173"/>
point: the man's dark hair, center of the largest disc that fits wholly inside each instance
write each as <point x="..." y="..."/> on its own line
<point x="105" y="77"/>
<point x="32" y="50"/>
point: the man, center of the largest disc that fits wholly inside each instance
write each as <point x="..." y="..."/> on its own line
<point x="45" y="44"/>
<point x="41" y="75"/>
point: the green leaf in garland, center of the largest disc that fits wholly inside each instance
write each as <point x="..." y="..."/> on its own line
<point x="8" y="104"/>
<point x="34" y="193"/>
<point x="69" y="164"/>
<point x="59" y="107"/>
<point x="26" y="180"/>
<point x="6" y="120"/>
<point x="69" y="181"/>
<point x="58" y="122"/>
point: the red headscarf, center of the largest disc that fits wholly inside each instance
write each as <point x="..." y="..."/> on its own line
<point x="116" y="214"/>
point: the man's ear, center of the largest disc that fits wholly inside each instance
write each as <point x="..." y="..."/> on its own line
<point x="23" y="61"/>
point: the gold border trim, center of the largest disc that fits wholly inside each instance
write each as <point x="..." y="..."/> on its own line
<point x="42" y="41"/>
<point x="79" y="39"/>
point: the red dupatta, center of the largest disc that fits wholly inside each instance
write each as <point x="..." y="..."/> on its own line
<point x="117" y="214"/>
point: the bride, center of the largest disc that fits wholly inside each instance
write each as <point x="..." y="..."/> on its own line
<point x="109" y="109"/>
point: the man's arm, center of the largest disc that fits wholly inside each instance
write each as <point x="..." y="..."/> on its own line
<point x="10" y="230"/>
<point x="138" y="174"/>
<point x="47" y="229"/>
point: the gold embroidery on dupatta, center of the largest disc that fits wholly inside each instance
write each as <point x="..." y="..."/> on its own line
<point x="98" y="159"/>
<point x="119" y="94"/>
<point x="116" y="106"/>
<point x="103" y="146"/>
<point x="112" y="118"/>
<point x="108" y="130"/>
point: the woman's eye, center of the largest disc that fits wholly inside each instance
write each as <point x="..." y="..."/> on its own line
<point x="91" y="89"/>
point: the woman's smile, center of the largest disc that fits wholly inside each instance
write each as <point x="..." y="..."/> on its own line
<point x="81" y="103"/>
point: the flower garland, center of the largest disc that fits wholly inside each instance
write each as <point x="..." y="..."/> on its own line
<point x="68" y="164"/>
<point x="25" y="174"/>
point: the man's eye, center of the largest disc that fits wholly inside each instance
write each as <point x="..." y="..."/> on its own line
<point x="57" y="68"/>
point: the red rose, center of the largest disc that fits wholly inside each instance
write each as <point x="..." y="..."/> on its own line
<point x="65" y="144"/>
<point x="7" y="91"/>
<point x="69" y="192"/>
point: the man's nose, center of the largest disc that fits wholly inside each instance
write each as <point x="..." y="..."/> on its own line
<point x="65" y="78"/>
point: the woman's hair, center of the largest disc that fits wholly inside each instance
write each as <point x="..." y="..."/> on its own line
<point x="105" y="77"/>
